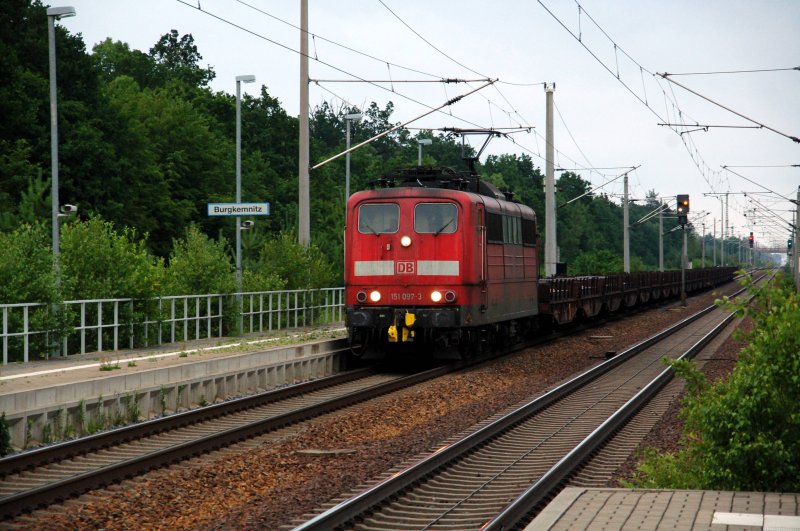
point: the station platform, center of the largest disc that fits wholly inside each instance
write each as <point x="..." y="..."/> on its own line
<point x="39" y="374"/>
<point x="50" y="400"/>
<point x="578" y="508"/>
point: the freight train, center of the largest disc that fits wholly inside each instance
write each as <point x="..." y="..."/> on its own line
<point x="440" y="263"/>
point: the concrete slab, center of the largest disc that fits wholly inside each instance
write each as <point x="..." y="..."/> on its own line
<point x="580" y="508"/>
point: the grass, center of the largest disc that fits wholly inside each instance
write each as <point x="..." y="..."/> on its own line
<point x="107" y="365"/>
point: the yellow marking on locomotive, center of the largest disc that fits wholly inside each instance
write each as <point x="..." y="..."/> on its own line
<point x="406" y="334"/>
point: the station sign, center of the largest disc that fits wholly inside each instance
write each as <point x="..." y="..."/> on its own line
<point x="238" y="209"/>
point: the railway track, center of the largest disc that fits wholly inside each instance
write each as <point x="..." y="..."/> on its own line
<point x="49" y="474"/>
<point x="494" y="477"/>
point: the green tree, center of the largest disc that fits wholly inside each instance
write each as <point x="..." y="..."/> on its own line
<point x="521" y="177"/>
<point x="183" y="160"/>
<point x="115" y="58"/>
<point x="179" y="58"/>
<point x="24" y="101"/>
<point x="100" y="262"/>
<point x="596" y="263"/>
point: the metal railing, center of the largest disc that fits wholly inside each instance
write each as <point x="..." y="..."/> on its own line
<point x="100" y="325"/>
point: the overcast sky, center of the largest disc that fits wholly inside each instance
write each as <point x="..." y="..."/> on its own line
<point x="600" y="121"/>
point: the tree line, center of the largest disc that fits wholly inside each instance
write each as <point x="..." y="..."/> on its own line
<point x="145" y="144"/>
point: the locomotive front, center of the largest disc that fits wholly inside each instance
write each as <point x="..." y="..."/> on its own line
<point x="411" y="268"/>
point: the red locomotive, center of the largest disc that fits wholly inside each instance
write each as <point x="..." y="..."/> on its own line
<point x="439" y="259"/>
<point x="441" y="263"/>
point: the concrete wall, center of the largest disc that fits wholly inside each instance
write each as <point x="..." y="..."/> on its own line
<point x="73" y="408"/>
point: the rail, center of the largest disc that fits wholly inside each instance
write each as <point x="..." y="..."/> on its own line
<point x="99" y="325"/>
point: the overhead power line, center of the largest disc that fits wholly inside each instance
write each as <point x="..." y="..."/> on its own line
<point x="320" y="61"/>
<point x="523" y="123"/>
<point x="584" y="169"/>
<point x="736" y="71"/>
<point x="329" y="41"/>
<point x="765" y="166"/>
<point x="687" y="141"/>
<point x="684" y="87"/>
<point x="429" y="43"/>
<point x="426" y="41"/>
<point x="752" y="181"/>
<point x="442" y="80"/>
<point x="399" y="126"/>
<point x="707" y="126"/>
<point x="592" y="190"/>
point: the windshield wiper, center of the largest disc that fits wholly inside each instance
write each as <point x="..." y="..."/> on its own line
<point x="444" y="226"/>
<point x="370" y="228"/>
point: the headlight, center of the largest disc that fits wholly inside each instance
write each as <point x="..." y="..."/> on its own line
<point x="375" y="296"/>
<point x="436" y="296"/>
<point x="405" y="241"/>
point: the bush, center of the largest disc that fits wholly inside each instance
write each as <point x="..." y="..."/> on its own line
<point x="300" y="267"/>
<point x="199" y="265"/>
<point x="259" y="281"/>
<point x="27" y="275"/>
<point x="26" y="265"/>
<point x="5" y="436"/>
<point x="97" y="262"/>
<point x="743" y="433"/>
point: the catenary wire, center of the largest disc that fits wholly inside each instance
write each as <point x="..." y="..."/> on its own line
<point x="289" y="48"/>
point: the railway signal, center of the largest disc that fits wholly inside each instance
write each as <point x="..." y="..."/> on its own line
<point x="751" y="240"/>
<point x="683" y="208"/>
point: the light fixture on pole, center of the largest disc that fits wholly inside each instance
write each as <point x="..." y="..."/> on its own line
<point x="422" y="142"/>
<point x="239" y="81"/>
<point x="54" y="13"/>
<point x="348" y="118"/>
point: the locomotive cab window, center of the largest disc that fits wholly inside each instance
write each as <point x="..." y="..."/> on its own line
<point x="378" y="218"/>
<point x="435" y="218"/>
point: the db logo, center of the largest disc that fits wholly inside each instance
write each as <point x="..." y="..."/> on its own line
<point x="405" y="268"/>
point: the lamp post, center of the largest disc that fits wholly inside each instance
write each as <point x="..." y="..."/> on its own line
<point x="422" y="142"/>
<point x="54" y="13"/>
<point x="239" y="81"/>
<point x="348" y="118"/>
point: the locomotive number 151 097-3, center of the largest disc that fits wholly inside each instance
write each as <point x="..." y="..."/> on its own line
<point x="406" y="297"/>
